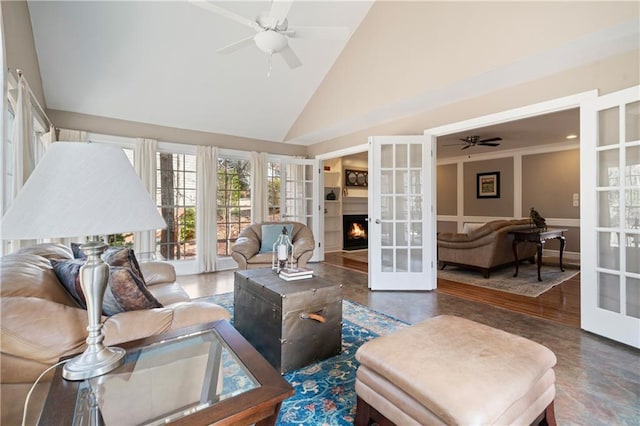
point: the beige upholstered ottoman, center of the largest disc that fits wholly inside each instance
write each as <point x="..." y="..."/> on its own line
<point x="449" y="370"/>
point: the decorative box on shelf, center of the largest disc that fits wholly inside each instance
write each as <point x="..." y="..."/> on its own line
<point x="292" y="274"/>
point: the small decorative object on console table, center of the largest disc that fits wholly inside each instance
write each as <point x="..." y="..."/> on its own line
<point x="537" y="220"/>
<point x="77" y="190"/>
<point x="282" y="252"/>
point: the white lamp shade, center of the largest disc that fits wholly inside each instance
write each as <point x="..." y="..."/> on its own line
<point x="81" y="189"/>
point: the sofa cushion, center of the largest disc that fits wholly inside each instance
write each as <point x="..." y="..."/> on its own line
<point x="270" y="234"/>
<point x="125" y="290"/>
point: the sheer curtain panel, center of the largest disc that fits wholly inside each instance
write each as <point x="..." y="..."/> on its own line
<point x="206" y="229"/>
<point x="259" y="190"/>
<point x="144" y="162"/>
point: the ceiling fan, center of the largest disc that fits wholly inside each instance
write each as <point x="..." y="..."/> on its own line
<point x="272" y="31"/>
<point x="470" y="141"/>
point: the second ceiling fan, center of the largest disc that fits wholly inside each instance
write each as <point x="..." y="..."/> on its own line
<point x="470" y="141"/>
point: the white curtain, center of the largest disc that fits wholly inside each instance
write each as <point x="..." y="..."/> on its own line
<point x="23" y="144"/>
<point x="206" y="212"/>
<point x="47" y="139"/>
<point x="259" y="189"/>
<point x="144" y="161"/>
<point x="68" y="135"/>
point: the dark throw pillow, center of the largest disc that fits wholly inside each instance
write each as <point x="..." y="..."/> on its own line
<point x="114" y="256"/>
<point x="126" y="291"/>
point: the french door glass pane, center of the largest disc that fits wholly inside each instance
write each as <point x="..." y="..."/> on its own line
<point x="633" y="297"/>
<point x="609" y="209"/>
<point x="386" y="156"/>
<point x="402" y="260"/>
<point x="632" y="123"/>
<point x="609" y="126"/>
<point x="416" y="260"/>
<point x="416" y="156"/>
<point x="609" y="167"/>
<point x="608" y="250"/>
<point x="609" y="292"/>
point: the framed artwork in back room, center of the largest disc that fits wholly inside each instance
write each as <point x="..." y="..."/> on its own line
<point x="488" y="185"/>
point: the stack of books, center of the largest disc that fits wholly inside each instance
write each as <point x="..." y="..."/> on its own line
<point x="292" y="274"/>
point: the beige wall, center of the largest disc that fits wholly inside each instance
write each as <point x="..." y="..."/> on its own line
<point x="112" y="126"/>
<point x="408" y="48"/>
<point x="502" y="206"/>
<point x="447" y="178"/>
<point x="549" y="181"/>
<point x="615" y="73"/>
<point x="20" y="51"/>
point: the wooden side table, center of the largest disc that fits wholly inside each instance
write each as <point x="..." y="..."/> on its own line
<point x="539" y="237"/>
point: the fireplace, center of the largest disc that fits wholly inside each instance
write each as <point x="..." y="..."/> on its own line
<point x="355" y="231"/>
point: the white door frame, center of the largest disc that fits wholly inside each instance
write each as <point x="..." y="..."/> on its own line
<point x="546" y="107"/>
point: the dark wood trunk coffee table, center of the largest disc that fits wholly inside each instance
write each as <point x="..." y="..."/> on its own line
<point x="201" y="375"/>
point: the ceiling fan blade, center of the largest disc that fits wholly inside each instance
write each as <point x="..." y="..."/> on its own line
<point x="290" y="57"/>
<point x="230" y="48"/>
<point x="321" y="33"/>
<point x="227" y="14"/>
<point x="465" y="147"/>
<point x="490" y="140"/>
<point x="279" y="10"/>
<point x="488" y="144"/>
<point x="465" y="140"/>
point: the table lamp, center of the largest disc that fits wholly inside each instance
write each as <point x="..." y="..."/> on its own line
<point x="77" y="190"/>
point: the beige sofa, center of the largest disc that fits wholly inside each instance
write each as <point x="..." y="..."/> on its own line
<point x="485" y="248"/>
<point x="246" y="250"/>
<point x="40" y="322"/>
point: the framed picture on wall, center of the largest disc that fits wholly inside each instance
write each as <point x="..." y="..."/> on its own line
<point x="356" y="178"/>
<point x="488" y="185"/>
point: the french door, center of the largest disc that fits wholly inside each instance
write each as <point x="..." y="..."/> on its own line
<point x="402" y="220"/>
<point x="610" y="238"/>
<point x="300" y="197"/>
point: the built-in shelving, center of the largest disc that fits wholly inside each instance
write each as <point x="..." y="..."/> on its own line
<point x="333" y="207"/>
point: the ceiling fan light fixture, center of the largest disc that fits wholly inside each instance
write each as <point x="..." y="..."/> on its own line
<point x="270" y="41"/>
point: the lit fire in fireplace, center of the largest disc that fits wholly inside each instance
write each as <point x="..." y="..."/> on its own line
<point x="356" y="232"/>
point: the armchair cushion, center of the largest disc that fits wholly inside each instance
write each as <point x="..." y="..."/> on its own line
<point x="270" y="234"/>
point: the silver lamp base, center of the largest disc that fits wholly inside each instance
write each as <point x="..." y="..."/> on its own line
<point x="94" y="361"/>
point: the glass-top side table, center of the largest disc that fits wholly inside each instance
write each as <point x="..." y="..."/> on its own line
<point x="199" y="375"/>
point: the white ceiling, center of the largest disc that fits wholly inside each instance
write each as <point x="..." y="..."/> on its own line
<point x="156" y="62"/>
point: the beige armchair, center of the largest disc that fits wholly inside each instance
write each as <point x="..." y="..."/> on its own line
<point x="246" y="250"/>
<point x="485" y="248"/>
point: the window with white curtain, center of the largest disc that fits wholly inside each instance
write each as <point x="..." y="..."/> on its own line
<point x="273" y="187"/>
<point x="8" y="163"/>
<point x="234" y="199"/>
<point x="176" y="198"/>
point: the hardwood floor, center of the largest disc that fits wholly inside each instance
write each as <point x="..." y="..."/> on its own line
<point x="561" y="304"/>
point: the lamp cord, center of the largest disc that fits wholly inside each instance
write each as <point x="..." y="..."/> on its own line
<point x="26" y="401"/>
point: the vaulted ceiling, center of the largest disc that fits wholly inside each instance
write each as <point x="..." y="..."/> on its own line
<point x="156" y="62"/>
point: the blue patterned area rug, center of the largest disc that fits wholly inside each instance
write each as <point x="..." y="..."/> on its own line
<point x="325" y="391"/>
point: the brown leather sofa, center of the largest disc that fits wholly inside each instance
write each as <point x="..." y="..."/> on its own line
<point x="486" y="248"/>
<point x="40" y="321"/>
<point x="246" y="250"/>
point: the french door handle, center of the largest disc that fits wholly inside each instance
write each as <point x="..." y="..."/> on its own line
<point x="378" y="222"/>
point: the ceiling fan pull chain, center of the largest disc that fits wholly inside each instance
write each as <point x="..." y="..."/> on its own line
<point x="269" y="62"/>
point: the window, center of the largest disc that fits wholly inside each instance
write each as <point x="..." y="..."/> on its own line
<point x="273" y="187"/>
<point x="234" y="201"/>
<point x="176" y="198"/>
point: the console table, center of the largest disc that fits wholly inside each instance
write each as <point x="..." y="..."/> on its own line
<point x="539" y="237"/>
<point x="204" y="374"/>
